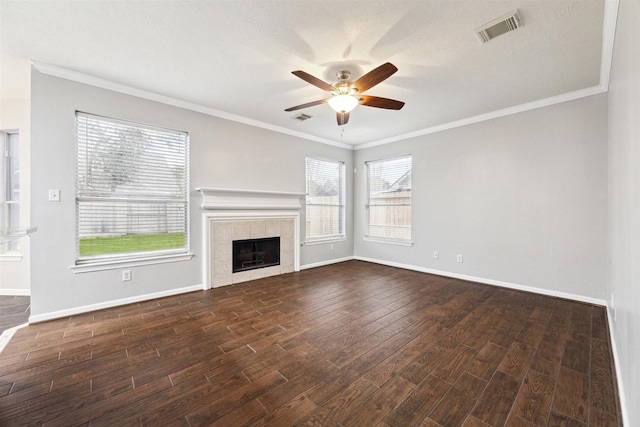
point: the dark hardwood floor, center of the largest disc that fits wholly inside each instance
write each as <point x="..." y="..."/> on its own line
<point x="351" y="344"/>
<point x="14" y="311"/>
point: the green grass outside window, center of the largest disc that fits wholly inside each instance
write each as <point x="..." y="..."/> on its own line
<point x="131" y="244"/>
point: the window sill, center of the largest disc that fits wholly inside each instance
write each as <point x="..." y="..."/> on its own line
<point x="389" y="242"/>
<point x="11" y="257"/>
<point x="126" y="263"/>
<point x="324" y="241"/>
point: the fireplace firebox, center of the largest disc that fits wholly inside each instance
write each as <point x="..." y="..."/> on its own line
<point x="251" y="254"/>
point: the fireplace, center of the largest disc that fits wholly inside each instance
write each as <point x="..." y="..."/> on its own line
<point x="237" y="215"/>
<point x="255" y="253"/>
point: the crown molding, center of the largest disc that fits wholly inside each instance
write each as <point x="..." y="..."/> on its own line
<point x="570" y="96"/>
<point x="76" y="76"/>
<point x="608" y="37"/>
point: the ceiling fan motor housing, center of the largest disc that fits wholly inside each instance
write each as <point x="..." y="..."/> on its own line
<point x="344" y="86"/>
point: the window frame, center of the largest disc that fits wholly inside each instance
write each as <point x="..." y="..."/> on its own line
<point x="341" y="235"/>
<point x="118" y="260"/>
<point x="10" y="249"/>
<point x="367" y="194"/>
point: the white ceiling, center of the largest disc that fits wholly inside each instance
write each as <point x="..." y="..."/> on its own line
<point x="234" y="58"/>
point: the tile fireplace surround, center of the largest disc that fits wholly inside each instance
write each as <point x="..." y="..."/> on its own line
<point x="230" y="215"/>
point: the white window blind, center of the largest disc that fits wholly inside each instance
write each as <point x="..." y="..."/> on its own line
<point x="325" y="199"/>
<point x="132" y="189"/>
<point x="388" y="203"/>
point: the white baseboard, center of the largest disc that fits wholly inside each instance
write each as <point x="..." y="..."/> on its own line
<point x="501" y="284"/>
<point x="109" y="304"/>
<point x="329" y="262"/>
<point x="15" y="292"/>
<point x="616" y="363"/>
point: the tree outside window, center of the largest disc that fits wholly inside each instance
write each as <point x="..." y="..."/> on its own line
<point x="132" y="196"/>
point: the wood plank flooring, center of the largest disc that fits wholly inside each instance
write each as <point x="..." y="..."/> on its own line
<point x="350" y="344"/>
<point x="14" y="311"/>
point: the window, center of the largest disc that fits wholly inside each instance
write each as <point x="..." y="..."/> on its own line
<point x="388" y="202"/>
<point x="132" y="189"/>
<point x="10" y="193"/>
<point x="325" y="199"/>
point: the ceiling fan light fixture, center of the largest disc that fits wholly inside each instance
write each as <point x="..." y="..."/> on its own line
<point x="343" y="103"/>
<point x="345" y="95"/>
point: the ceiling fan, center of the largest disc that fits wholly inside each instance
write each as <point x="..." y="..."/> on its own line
<point x="346" y="94"/>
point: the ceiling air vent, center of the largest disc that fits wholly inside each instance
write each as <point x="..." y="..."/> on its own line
<point x="499" y="26"/>
<point x="302" y="117"/>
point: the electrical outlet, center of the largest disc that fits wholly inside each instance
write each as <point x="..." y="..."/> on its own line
<point x="126" y="275"/>
<point x="436" y="254"/>
<point x="459" y="258"/>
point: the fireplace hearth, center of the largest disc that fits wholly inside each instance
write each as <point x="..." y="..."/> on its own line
<point x="251" y="254"/>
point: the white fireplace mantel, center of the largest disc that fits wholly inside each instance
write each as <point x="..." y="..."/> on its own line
<point x="247" y="214"/>
<point x="225" y="198"/>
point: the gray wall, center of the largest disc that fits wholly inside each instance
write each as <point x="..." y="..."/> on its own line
<point x="624" y="205"/>
<point x="223" y="154"/>
<point x="522" y="198"/>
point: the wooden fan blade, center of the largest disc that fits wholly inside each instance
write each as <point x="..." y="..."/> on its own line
<point x="313" y="80"/>
<point x="376" y="101"/>
<point x="343" y="118"/>
<point x="308" y="104"/>
<point x="375" y="76"/>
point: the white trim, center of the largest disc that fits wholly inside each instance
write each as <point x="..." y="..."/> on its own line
<point x="7" y="334"/>
<point x="570" y="96"/>
<point x="15" y="292"/>
<point x="126" y="263"/>
<point x="324" y="240"/>
<point x="387" y="241"/>
<point x="609" y="24"/>
<point x="205" y="238"/>
<point x="65" y="73"/>
<point x="328" y="262"/>
<point x="109" y="304"/>
<point x="626" y="421"/>
<point x="117" y="121"/>
<point x="11" y="257"/>
<point x="547" y="292"/>
<point x="227" y="198"/>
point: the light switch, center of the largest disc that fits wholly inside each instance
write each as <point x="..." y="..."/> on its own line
<point x="54" y="195"/>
